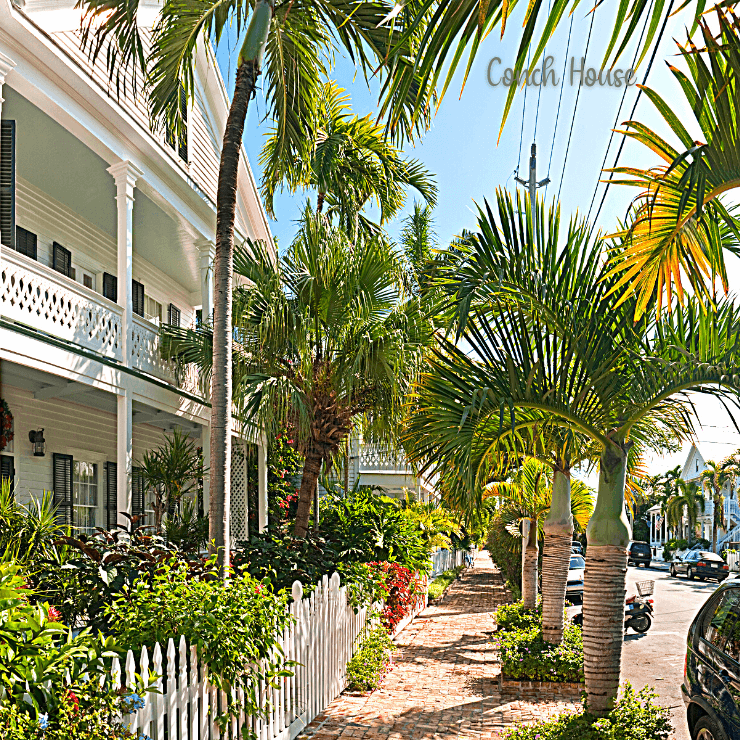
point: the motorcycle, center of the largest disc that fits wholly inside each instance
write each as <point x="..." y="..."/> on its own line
<point x="638" y="609"/>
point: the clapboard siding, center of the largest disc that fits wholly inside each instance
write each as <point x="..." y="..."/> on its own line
<point x="203" y="147"/>
<point x="92" y="249"/>
<point x="70" y="428"/>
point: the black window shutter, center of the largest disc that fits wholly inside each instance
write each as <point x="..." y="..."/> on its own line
<point x="111" y="494"/>
<point x="137" y="492"/>
<point x="137" y="297"/>
<point x="182" y="148"/>
<point x="7" y="183"/>
<point x="26" y="242"/>
<point x="173" y="315"/>
<point x="63" y="487"/>
<point x="7" y="468"/>
<point x="110" y="287"/>
<point x="62" y="259"/>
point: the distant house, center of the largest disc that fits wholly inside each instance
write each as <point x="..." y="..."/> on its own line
<point x="693" y="467"/>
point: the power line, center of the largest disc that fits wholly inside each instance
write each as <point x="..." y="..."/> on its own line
<point x="542" y="82"/>
<point x="616" y="118"/>
<point x="634" y="107"/>
<point x="560" y="99"/>
<point x="575" y="107"/>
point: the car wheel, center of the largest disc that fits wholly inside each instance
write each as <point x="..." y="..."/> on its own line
<point x="706" y="729"/>
<point x="690" y="573"/>
<point x="673" y="570"/>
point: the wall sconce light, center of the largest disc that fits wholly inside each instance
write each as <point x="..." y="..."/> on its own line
<point x="36" y="437"/>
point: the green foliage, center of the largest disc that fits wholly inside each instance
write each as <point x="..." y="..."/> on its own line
<point x="170" y="472"/>
<point x="515" y="616"/>
<point x="186" y="529"/>
<point x="440" y="584"/>
<point x="506" y="552"/>
<point x="524" y="654"/>
<point x="234" y="625"/>
<point x="368" y="665"/>
<point x="635" y="716"/>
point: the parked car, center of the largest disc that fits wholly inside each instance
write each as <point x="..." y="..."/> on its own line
<point x="576" y="569"/>
<point x="639" y="553"/>
<point x="576" y="547"/>
<point x="700" y="563"/>
<point x="712" y="667"/>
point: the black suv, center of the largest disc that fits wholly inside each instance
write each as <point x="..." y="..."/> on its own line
<point x="639" y="553"/>
<point x="711" y="682"/>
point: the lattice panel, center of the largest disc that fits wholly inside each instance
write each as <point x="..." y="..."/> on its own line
<point x="55" y="305"/>
<point x="239" y="501"/>
<point x="373" y="458"/>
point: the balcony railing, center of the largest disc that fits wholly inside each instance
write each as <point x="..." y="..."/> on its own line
<point x="46" y="300"/>
<point x="380" y="460"/>
<point x="50" y="302"/>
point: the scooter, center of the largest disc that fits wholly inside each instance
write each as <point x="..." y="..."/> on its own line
<point x="638" y="610"/>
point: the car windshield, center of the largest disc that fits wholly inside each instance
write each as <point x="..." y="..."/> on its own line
<point x="577" y="562"/>
<point x="712" y="557"/>
<point x="641" y="547"/>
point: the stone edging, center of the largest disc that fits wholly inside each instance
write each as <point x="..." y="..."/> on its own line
<point x="540" y="689"/>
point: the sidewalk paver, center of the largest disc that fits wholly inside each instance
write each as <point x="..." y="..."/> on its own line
<point x="444" y="683"/>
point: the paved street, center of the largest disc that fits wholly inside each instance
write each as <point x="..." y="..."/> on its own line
<point x="657" y="657"/>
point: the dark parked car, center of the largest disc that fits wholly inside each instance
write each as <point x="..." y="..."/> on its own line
<point x="711" y="682"/>
<point x="700" y="563"/>
<point x="639" y="553"/>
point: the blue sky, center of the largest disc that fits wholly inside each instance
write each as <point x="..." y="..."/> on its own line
<point x="461" y="148"/>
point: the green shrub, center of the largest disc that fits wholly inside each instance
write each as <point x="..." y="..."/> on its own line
<point x="235" y="625"/>
<point x="524" y="654"/>
<point x="368" y="666"/>
<point x="506" y="552"/>
<point x="440" y="584"/>
<point x="671" y="546"/>
<point x="515" y="616"/>
<point x="635" y="716"/>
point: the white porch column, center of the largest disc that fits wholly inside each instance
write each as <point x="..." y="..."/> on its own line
<point x="207" y="253"/>
<point x="125" y="175"/>
<point x="205" y="443"/>
<point x="262" y="484"/>
<point x="6" y="65"/>
<point x="124" y="455"/>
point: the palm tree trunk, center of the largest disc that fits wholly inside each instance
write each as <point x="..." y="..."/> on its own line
<point x="311" y="470"/>
<point x="529" y="566"/>
<point x="556" y="557"/>
<point x="608" y="534"/>
<point x="221" y="391"/>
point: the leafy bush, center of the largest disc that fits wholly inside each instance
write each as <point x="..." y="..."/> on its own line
<point x="368" y="666"/>
<point x="440" y="584"/>
<point x="515" y="616"/>
<point x="235" y="625"/>
<point x="506" y="552"/>
<point x="671" y="546"/>
<point x="635" y="716"/>
<point x="402" y="590"/>
<point x="524" y="654"/>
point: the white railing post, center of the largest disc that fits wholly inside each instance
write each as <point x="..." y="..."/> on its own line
<point x="158" y="702"/>
<point x="172" y="697"/>
<point x="130" y="687"/>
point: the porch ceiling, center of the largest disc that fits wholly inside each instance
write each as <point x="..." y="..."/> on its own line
<point x="47" y="387"/>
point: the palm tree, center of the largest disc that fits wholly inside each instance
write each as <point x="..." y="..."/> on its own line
<point x="528" y="500"/>
<point x="713" y="480"/>
<point x="543" y="331"/>
<point x="325" y="339"/>
<point x="288" y="41"/>
<point x="349" y="161"/>
<point x="688" y="503"/>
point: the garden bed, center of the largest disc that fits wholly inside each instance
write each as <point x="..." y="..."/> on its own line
<point x="437" y="588"/>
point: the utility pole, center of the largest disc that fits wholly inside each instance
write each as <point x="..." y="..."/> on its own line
<point x="531" y="184"/>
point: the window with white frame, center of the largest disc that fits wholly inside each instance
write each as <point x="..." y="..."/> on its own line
<point x="85" y="495"/>
<point x="152" y="310"/>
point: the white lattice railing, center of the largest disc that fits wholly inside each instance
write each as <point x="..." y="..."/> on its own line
<point x="321" y="641"/>
<point x="43" y="299"/>
<point x="377" y="459"/>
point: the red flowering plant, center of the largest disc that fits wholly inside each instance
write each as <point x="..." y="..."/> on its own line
<point x="402" y="588"/>
<point x="6" y="424"/>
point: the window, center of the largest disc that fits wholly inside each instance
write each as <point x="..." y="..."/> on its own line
<point x="88" y="281"/>
<point x="137" y="297"/>
<point x="85" y="495"/>
<point x="697" y="466"/>
<point x="152" y="310"/>
<point x="7" y="469"/>
<point x="173" y="315"/>
<point x="719" y="621"/>
<point x="25" y="242"/>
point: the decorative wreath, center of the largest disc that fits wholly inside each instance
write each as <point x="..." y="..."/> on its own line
<point x="6" y="424"/>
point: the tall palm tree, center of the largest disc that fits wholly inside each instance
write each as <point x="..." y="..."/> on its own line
<point x="713" y="480"/>
<point x="544" y="331"/>
<point x="529" y="497"/>
<point x="324" y="338"/>
<point x="349" y="162"/>
<point x="289" y="42"/>
<point x="688" y="504"/>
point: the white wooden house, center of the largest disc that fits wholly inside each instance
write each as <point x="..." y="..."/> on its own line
<point x="107" y="231"/>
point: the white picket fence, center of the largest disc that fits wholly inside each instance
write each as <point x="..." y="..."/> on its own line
<point x="443" y="560"/>
<point x="321" y="640"/>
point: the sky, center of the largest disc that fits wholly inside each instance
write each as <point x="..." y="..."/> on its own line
<point x="461" y="147"/>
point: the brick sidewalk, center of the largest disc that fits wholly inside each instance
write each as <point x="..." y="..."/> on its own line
<point x="444" y="683"/>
